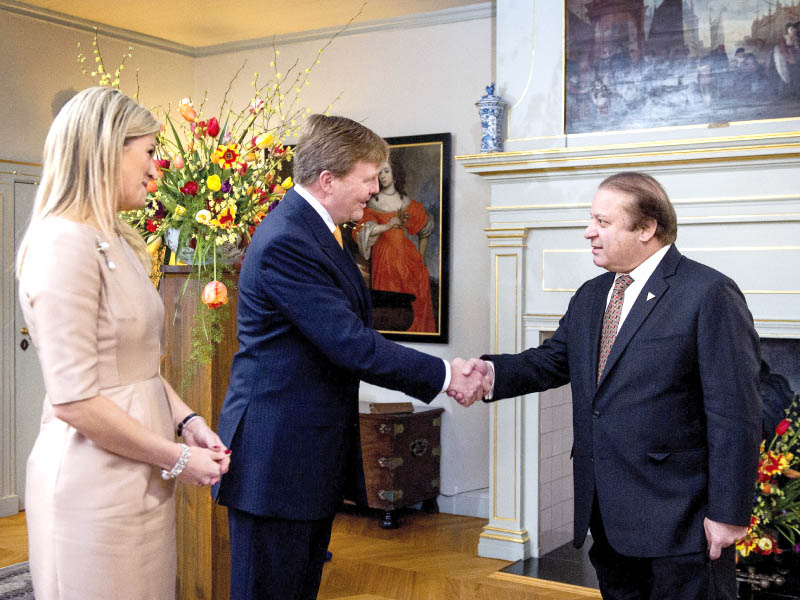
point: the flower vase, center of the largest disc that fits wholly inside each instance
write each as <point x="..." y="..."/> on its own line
<point x="227" y="253"/>
<point x="491" y="109"/>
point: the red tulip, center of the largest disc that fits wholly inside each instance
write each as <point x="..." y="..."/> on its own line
<point x="215" y="294"/>
<point x="162" y="162"/>
<point x="213" y="127"/>
<point x="783" y="426"/>
<point x="190" y="189"/>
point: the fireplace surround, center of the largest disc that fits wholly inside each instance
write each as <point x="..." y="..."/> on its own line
<point x="736" y="190"/>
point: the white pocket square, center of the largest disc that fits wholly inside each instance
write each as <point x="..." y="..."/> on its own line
<point x="650" y="296"/>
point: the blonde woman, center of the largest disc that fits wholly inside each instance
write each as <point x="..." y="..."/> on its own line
<point x="100" y="478"/>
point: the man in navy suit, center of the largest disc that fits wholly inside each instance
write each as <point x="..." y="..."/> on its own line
<point x="290" y="416"/>
<point x="663" y="361"/>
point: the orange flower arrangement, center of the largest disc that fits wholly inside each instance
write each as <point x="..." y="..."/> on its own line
<point x="775" y="522"/>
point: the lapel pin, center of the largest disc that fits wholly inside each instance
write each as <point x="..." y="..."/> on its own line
<point x="650" y="296"/>
<point x="102" y="247"/>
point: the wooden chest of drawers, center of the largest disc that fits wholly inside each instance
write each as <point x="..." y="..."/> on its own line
<point x="401" y="454"/>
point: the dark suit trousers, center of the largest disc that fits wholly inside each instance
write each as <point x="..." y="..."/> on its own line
<point x="682" y="577"/>
<point x="276" y="559"/>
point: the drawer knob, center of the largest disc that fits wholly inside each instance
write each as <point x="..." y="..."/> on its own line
<point x="394" y="430"/>
<point x="437" y="422"/>
<point x="418" y="447"/>
<point x="390" y="495"/>
<point x="436" y="451"/>
<point x="435" y="483"/>
<point x="390" y="462"/>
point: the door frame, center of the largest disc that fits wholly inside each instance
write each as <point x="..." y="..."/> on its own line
<point x="11" y="172"/>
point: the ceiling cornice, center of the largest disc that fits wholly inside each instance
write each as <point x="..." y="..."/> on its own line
<point x="440" y="17"/>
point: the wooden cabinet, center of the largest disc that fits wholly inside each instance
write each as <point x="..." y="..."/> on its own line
<point x="401" y="454"/>
<point x="202" y="525"/>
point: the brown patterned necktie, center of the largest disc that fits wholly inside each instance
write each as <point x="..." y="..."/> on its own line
<point x="337" y="233"/>
<point x="611" y="320"/>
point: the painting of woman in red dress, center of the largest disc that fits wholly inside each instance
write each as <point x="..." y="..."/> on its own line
<point x="386" y="236"/>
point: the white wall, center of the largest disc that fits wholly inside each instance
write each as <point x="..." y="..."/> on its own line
<point x="397" y="82"/>
<point x="39" y="64"/>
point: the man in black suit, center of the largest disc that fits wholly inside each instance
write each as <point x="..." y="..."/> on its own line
<point x="663" y="361"/>
<point x="290" y="416"/>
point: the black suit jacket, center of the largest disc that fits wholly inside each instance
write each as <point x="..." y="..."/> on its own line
<point x="671" y="432"/>
<point x="290" y="414"/>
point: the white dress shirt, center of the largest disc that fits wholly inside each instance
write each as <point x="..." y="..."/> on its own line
<point x="640" y="276"/>
<point x="325" y="215"/>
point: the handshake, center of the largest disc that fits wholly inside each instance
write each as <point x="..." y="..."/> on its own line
<point x="470" y="380"/>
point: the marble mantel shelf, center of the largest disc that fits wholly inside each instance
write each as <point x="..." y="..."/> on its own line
<point x="769" y="148"/>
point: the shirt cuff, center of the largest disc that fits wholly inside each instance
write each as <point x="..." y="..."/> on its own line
<point x="446" y="375"/>
<point x="490" y="395"/>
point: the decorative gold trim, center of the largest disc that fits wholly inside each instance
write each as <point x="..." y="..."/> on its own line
<point x="776" y="320"/>
<point x="621" y="166"/>
<point x="22" y="174"/>
<point x="743" y="216"/>
<point x="548" y="585"/>
<point x="501" y="530"/>
<point x="504" y="538"/>
<point x="513" y="236"/>
<point x="616" y="156"/>
<point x="496" y="405"/>
<point x="739" y="248"/>
<point x="647" y="144"/>
<point x="712" y="200"/>
<point x="18" y="162"/>
<point x="534" y="206"/>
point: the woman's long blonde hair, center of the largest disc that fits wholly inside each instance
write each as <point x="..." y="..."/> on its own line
<point x="82" y="165"/>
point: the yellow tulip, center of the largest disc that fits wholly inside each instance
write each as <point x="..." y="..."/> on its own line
<point x="179" y="211"/>
<point x="287" y="183"/>
<point x="264" y="140"/>
<point x="213" y="183"/>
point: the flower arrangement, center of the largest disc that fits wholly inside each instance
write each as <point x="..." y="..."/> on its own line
<point x="219" y="176"/>
<point x="775" y="521"/>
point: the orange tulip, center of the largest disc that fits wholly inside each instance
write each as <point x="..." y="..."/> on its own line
<point x="152" y="186"/>
<point x="187" y="110"/>
<point x="215" y="294"/>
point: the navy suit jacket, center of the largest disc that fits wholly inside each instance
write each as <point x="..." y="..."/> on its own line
<point x="671" y="432"/>
<point x="290" y="415"/>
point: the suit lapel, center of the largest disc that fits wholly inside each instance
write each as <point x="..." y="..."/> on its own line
<point x="649" y="297"/>
<point x="341" y="258"/>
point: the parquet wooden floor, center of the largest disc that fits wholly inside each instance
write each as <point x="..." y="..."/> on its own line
<point x="430" y="557"/>
<point x="13" y="540"/>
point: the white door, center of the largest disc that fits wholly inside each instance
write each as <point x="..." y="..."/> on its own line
<point x="28" y="383"/>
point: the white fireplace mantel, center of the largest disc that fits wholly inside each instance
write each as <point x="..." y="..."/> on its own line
<point x="736" y="191"/>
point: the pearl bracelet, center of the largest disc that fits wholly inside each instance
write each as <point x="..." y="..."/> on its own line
<point x="179" y="466"/>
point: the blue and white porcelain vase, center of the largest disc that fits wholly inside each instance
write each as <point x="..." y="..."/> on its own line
<point x="491" y="109"/>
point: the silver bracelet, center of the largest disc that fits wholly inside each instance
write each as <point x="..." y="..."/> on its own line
<point x="179" y="466"/>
